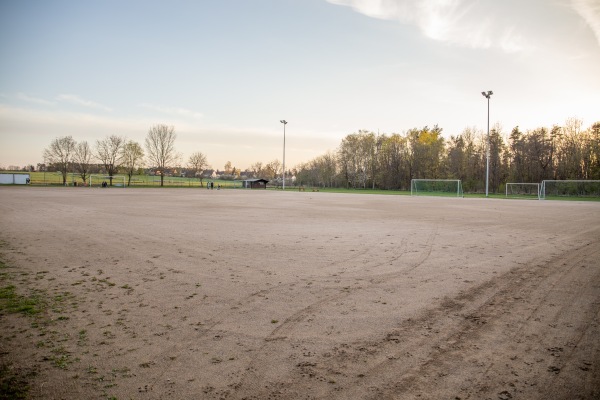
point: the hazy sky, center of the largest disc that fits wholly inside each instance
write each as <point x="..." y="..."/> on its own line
<point x="225" y="72"/>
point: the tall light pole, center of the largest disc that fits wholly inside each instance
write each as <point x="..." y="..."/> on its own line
<point x="487" y="163"/>
<point x="284" y="122"/>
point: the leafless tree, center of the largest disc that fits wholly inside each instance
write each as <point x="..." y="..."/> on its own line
<point x="132" y="156"/>
<point x="198" y="163"/>
<point x="82" y="159"/>
<point x="160" y="144"/>
<point x="108" y="151"/>
<point x="60" y="153"/>
<point x="257" y="169"/>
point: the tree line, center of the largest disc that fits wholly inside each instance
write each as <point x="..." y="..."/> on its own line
<point x="389" y="161"/>
<point x="116" y="153"/>
<point x="365" y="159"/>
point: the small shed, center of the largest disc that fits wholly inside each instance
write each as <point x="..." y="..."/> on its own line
<point x="14" y="179"/>
<point x="254" y="183"/>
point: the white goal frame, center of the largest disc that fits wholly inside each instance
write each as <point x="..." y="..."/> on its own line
<point x="536" y="185"/>
<point x="414" y="190"/>
<point x="566" y="181"/>
<point x="102" y="178"/>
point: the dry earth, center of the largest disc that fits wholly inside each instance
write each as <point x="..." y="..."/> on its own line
<point x="232" y="294"/>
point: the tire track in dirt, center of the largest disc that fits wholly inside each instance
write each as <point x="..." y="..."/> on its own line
<point x="252" y="378"/>
<point x="424" y="350"/>
<point x="208" y="328"/>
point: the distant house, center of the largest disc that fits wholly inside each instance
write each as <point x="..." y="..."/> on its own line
<point x="254" y="183"/>
<point x="209" y="173"/>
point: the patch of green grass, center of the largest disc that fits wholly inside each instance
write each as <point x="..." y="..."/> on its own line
<point x="82" y="337"/>
<point x="12" y="302"/>
<point x="109" y="283"/>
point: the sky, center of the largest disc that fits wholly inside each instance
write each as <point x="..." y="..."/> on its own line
<point x="225" y="72"/>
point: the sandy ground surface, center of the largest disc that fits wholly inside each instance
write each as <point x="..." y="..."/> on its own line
<point x="233" y="294"/>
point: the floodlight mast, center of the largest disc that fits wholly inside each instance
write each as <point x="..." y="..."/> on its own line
<point x="487" y="162"/>
<point x="284" y="122"/>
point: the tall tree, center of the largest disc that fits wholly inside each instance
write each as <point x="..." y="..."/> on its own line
<point x="197" y="162"/>
<point x="590" y="150"/>
<point x="327" y="169"/>
<point x="392" y="161"/>
<point x="132" y="156"/>
<point x="351" y="160"/>
<point x="498" y="170"/>
<point x="594" y="147"/>
<point x="272" y="170"/>
<point x="540" y="153"/>
<point x="228" y="167"/>
<point x="426" y="152"/>
<point x="570" y="157"/>
<point x="516" y="149"/>
<point x="257" y="169"/>
<point x="60" y="153"/>
<point x="82" y="158"/>
<point x="108" y="151"/>
<point x="160" y="144"/>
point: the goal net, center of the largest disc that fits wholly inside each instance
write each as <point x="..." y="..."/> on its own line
<point x="436" y="187"/>
<point x="98" y="180"/>
<point x="523" y="190"/>
<point x="570" y="188"/>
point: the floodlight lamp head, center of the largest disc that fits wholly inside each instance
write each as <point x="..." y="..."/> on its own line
<point x="483" y="94"/>
<point x="283" y="121"/>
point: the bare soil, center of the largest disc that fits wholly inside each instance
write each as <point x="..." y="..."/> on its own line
<point x="239" y="294"/>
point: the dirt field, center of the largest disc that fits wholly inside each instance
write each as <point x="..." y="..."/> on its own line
<point x="233" y="294"/>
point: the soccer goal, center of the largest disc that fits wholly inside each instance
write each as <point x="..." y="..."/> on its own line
<point x="523" y="190"/>
<point x="98" y="180"/>
<point x="436" y="187"/>
<point x="569" y="188"/>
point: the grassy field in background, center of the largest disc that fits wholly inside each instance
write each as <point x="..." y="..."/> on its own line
<point x="145" y="181"/>
<point x="55" y="179"/>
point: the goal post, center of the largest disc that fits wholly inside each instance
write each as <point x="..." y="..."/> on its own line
<point x="523" y="190"/>
<point x="97" y="180"/>
<point x="570" y="188"/>
<point x="436" y="187"/>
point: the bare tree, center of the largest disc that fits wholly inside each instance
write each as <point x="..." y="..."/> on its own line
<point x="160" y="144"/>
<point x="60" y="153"/>
<point x="108" y="151"/>
<point x="82" y="159"/>
<point x="256" y="169"/>
<point x="132" y="156"/>
<point x="198" y="163"/>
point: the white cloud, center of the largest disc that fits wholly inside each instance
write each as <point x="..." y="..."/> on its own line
<point x="35" y="100"/>
<point x="589" y="10"/>
<point x="74" y="99"/>
<point x="460" y="22"/>
<point x="173" y="111"/>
